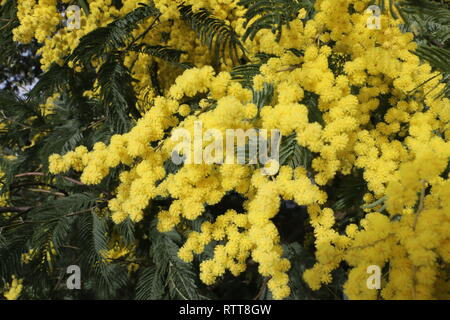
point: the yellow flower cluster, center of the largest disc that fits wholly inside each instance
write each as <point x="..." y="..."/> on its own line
<point x="31" y="14"/>
<point x="28" y="256"/>
<point x="3" y="197"/>
<point x="413" y="243"/>
<point x="14" y="289"/>
<point x="117" y="251"/>
<point x="403" y="153"/>
<point x="48" y="107"/>
<point x="254" y="234"/>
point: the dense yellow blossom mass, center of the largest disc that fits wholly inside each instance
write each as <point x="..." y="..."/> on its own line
<point x="3" y="198"/>
<point x="14" y="289"/>
<point x="403" y="155"/>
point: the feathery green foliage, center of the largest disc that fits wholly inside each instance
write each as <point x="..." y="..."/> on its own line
<point x="216" y="34"/>
<point x="101" y="41"/>
<point x="67" y="222"/>
<point x="430" y="22"/>
<point x="271" y="14"/>
<point x="294" y="155"/>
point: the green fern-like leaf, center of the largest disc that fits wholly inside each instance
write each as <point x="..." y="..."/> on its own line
<point x="294" y="155"/>
<point x="179" y="277"/>
<point x="271" y="14"/>
<point x="439" y="59"/>
<point x="162" y="52"/>
<point x="427" y="19"/>
<point x="100" y="233"/>
<point x="13" y="245"/>
<point x="349" y="191"/>
<point x="117" y="93"/>
<point x="245" y="73"/>
<point x="55" y="79"/>
<point x="150" y="284"/>
<point x="263" y="97"/>
<point x="215" y="33"/>
<point x="127" y="230"/>
<point x="115" y="35"/>
<point x="55" y="220"/>
<point x="104" y="278"/>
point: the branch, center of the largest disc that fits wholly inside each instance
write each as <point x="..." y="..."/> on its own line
<point x="79" y="212"/>
<point x="14" y="121"/>
<point x="261" y="290"/>
<point x="29" y="174"/>
<point x="30" y="184"/>
<point x="142" y="36"/>
<point x="420" y="206"/>
<point x="59" y="194"/>
<point x="15" y="209"/>
<point x="39" y="221"/>
<point x="41" y="174"/>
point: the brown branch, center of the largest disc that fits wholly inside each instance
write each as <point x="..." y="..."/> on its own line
<point x="416" y="218"/>
<point x="93" y="124"/>
<point x="59" y="194"/>
<point x="421" y="204"/>
<point x="41" y="174"/>
<point x="14" y="209"/>
<point x="70" y="247"/>
<point x="261" y="290"/>
<point x="290" y="68"/>
<point x="74" y="181"/>
<point x="42" y="221"/>
<point x="142" y="35"/>
<point x="79" y="212"/>
<point x="14" y="121"/>
<point x="29" y="174"/>
<point x="30" y="184"/>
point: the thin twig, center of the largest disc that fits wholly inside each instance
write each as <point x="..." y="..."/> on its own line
<point x="12" y="120"/>
<point x="15" y="209"/>
<point x="261" y="290"/>
<point x="41" y="174"/>
<point x="290" y="68"/>
<point x="29" y="184"/>
<point x="45" y="221"/>
<point x="144" y="33"/>
<point x="92" y="125"/>
<point x="423" y="83"/>
<point x="70" y="247"/>
<point x="420" y="206"/>
<point x="59" y="194"/>
<point x="79" y="212"/>
<point x="416" y="218"/>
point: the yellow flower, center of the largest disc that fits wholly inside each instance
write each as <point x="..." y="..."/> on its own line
<point x="14" y="289"/>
